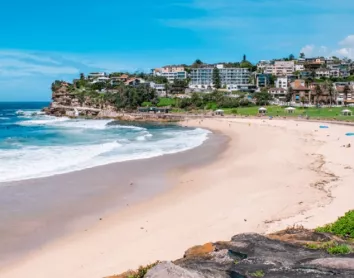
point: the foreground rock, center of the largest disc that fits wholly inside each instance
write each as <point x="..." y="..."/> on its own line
<point x="251" y="255"/>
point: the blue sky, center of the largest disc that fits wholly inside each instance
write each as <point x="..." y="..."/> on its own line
<point x="46" y="40"/>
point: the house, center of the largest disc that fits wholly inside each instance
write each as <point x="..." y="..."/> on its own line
<point x="281" y="82"/>
<point x="94" y="75"/>
<point x="101" y="79"/>
<point x="299" y="67"/>
<point x="262" y="65"/>
<point x="134" y="82"/>
<point x="300" y="92"/>
<point x="314" y="63"/>
<point x="160" y="88"/>
<point x="278" y="93"/>
<point x="344" y="96"/>
<point x="322" y="72"/>
<point x="123" y="78"/>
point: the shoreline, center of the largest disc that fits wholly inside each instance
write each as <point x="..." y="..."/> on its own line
<point x="270" y="175"/>
<point x="36" y="218"/>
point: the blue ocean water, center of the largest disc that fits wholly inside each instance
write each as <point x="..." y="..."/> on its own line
<point x="36" y="145"/>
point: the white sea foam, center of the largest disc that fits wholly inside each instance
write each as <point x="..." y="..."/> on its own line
<point x="33" y="162"/>
<point x="4" y="118"/>
<point x="27" y="162"/>
<point x="74" y="123"/>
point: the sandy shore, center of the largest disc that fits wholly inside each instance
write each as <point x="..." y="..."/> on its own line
<point x="271" y="174"/>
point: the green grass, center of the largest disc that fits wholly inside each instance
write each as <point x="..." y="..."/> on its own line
<point x="330" y="247"/>
<point x="312" y="112"/>
<point x="141" y="272"/>
<point x="258" y="273"/>
<point x="164" y="101"/>
<point x="339" y="249"/>
<point x="343" y="227"/>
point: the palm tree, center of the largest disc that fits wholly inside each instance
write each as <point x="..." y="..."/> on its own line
<point x="318" y="93"/>
<point x="167" y="88"/>
<point x="346" y="91"/>
<point x="289" y="95"/>
<point x="328" y="86"/>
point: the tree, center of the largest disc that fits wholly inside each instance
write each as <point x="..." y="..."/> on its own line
<point x="291" y="57"/>
<point x="263" y="98"/>
<point x="216" y="78"/>
<point x="197" y="63"/>
<point x="330" y="90"/>
<point x="346" y="91"/>
<point x="82" y="76"/>
<point x="289" y="95"/>
<point x="302" y="55"/>
<point x="244" y="58"/>
<point x="303" y="100"/>
<point x="246" y="64"/>
<point x="167" y="88"/>
<point x="318" y="93"/>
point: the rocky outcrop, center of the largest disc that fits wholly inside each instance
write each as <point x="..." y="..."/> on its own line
<point x="65" y="103"/>
<point x="283" y="254"/>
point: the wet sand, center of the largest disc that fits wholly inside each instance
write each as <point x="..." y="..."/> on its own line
<point x="34" y="212"/>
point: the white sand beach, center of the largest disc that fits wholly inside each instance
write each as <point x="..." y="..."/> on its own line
<point x="272" y="174"/>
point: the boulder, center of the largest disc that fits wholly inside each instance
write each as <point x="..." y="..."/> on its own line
<point x="252" y="255"/>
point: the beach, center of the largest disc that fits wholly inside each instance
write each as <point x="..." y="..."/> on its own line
<point x="252" y="175"/>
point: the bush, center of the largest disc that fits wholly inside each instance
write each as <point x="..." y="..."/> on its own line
<point x="258" y="273"/>
<point x="343" y="227"/>
<point x="339" y="249"/>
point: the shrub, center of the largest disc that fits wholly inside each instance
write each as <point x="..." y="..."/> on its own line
<point x="339" y="249"/>
<point x="344" y="226"/>
<point x="140" y="273"/>
<point x="258" y="273"/>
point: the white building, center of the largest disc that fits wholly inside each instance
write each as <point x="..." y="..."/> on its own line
<point x="281" y="82"/>
<point x="160" y="88"/>
<point x="262" y="64"/>
<point x="94" y="75"/>
<point x="101" y="79"/>
<point x="299" y="67"/>
<point x="323" y="73"/>
<point x="278" y="93"/>
<point x="203" y="77"/>
<point x="171" y="73"/>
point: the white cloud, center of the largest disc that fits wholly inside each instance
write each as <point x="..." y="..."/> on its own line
<point x="348" y="41"/>
<point x="308" y="50"/>
<point x="22" y="63"/>
<point x="346" y="49"/>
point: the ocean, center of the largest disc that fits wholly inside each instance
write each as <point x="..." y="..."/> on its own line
<point x="34" y="145"/>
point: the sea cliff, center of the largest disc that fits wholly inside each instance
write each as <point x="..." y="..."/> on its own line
<point x="65" y="103"/>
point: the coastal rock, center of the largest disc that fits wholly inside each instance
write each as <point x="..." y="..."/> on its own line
<point x="168" y="269"/>
<point x="280" y="255"/>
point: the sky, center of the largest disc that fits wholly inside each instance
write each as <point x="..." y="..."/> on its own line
<point x="42" y="41"/>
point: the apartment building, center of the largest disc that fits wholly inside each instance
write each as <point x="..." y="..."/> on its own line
<point x="171" y="72"/>
<point x="262" y="65"/>
<point x="203" y="77"/>
<point x="280" y="68"/>
<point x="281" y="82"/>
<point x="262" y="80"/>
